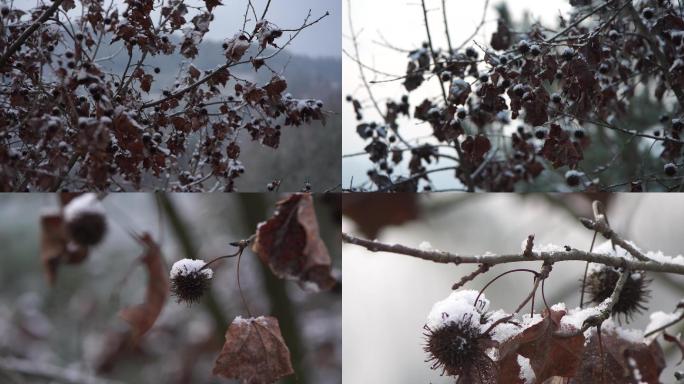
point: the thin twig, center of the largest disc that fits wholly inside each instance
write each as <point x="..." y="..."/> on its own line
<point x="477" y="29"/>
<point x="446" y="26"/>
<point x="432" y="50"/>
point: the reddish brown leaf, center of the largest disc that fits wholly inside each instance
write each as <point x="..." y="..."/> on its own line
<point x="620" y="361"/>
<point x="276" y="86"/>
<point x="550" y="355"/>
<point x="219" y="77"/>
<point x="55" y="247"/>
<point x="476" y="148"/>
<point x="254" y="352"/>
<point x="146" y="83"/>
<point x="233" y="150"/>
<point x="559" y="149"/>
<point x="194" y="72"/>
<point x="253" y="94"/>
<point x="289" y="243"/>
<point x="210" y="4"/>
<point x="142" y="317"/>
<point x="535" y="107"/>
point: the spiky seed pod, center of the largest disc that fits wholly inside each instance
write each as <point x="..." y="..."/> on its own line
<point x="189" y="280"/>
<point x="85" y="220"/>
<point x="601" y="283"/>
<point x="453" y="347"/>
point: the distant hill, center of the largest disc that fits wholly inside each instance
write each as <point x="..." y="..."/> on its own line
<point x="305" y="153"/>
<point x="314" y="77"/>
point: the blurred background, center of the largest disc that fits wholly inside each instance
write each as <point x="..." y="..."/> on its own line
<point x="67" y="325"/>
<point x="384" y="44"/>
<point x="387" y="297"/>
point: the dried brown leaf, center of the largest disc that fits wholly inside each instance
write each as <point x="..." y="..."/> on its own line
<point x="142" y="317"/>
<point x="194" y="72"/>
<point x="254" y="352"/>
<point x="550" y="354"/>
<point x="619" y="361"/>
<point x="290" y="244"/>
<point x="55" y="247"/>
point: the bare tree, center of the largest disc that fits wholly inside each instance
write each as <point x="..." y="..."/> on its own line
<point x="587" y="94"/>
<point x="67" y="123"/>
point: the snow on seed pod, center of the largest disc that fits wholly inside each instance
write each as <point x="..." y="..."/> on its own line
<point x="455" y="338"/>
<point x="190" y="278"/>
<point x="573" y="177"/>
<point x="85" y="219"/>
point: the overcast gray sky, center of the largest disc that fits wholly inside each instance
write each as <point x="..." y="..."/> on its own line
<point x="322" y="39"/>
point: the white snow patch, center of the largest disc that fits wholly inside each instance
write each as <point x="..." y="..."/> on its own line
<point x="187" y="266"/>
<point x="574" y="318"/>
<point x="606" y="248"/>
<point x="573" y="172"/>
<point x="492" y="353"/>
<point x="634" y="336"/>
<point x="631" y="335"/>
<point x="661" y="258"/>
<point x="458" y="306"/>
<point x="241" y="320"/>
<point x="635" y="369"/>
<point x="659" y="319"/>
<point x="543" y="247"/>
<point x="508" y="330"/>
<point x="526" y="373"/>
<point x="425" y="246"/>
<point x="87" y="203"/>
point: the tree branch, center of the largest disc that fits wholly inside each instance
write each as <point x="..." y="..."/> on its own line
<point x="25" y="35"/>
<point x="444" y="257"/>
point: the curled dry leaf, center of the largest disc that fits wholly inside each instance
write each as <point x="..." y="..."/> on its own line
<point x="142" y="317"/>
<point x="553" y="356"/>
<point x="290" y="244"/>
<point x="56" y="247"/>
<point x="549" y="354"/>
<point x="254" y="352"/>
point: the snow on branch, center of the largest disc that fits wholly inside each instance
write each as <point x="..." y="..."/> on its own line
<point x="675" y="265"/>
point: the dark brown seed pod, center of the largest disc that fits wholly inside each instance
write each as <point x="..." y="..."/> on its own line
<point x="85" y="220"/>
<point x="601" y="283"/>
<point x="453" y="347"/>
<point x="189" y="280"/>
